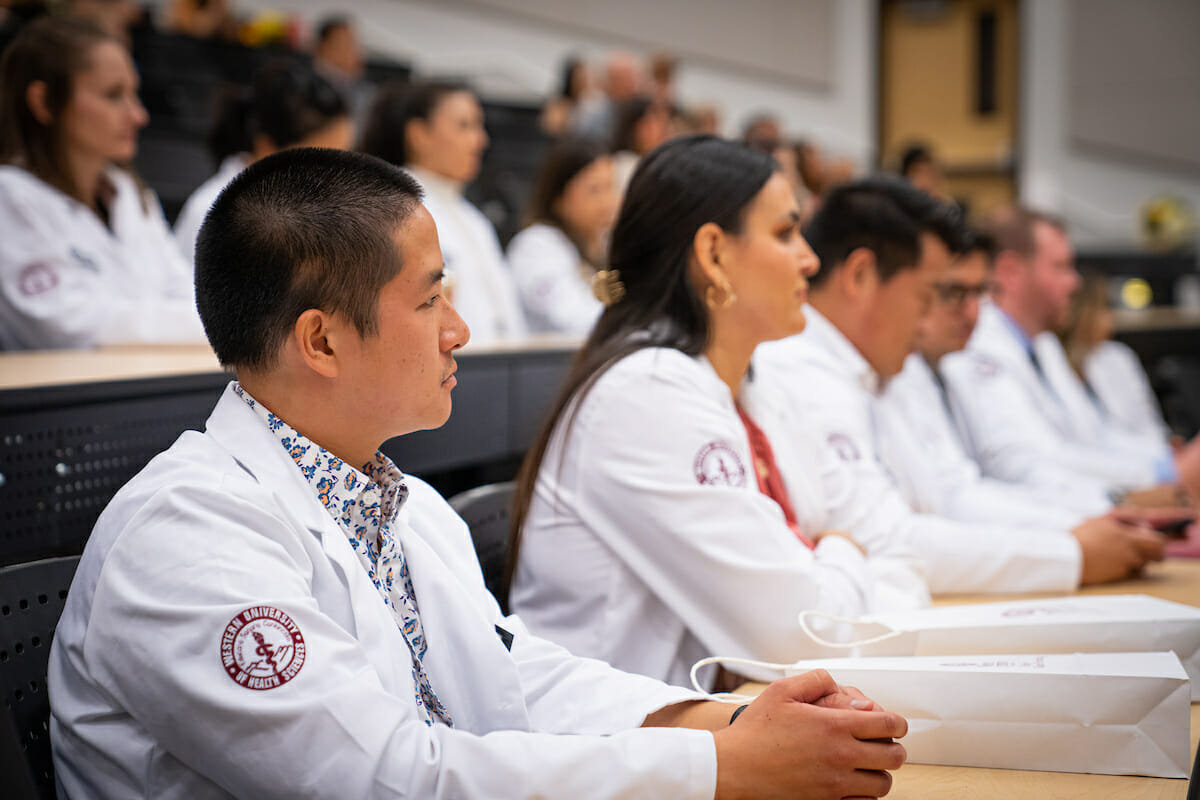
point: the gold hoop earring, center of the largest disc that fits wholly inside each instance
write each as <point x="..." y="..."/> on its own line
<point x="729" y="298"/>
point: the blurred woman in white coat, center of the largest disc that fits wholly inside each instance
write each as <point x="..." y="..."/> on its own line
<point x="86" y="257"/>
<point x="654" y="522"/>
<point x="288" y="105"/>
<point x="435" y="131"/>
<point x="571" y="212"/>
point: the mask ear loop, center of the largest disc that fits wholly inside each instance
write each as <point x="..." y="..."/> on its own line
<point x="737" y="699"/>
<point x="891" y="633"/>
<point x="730" y="697"/>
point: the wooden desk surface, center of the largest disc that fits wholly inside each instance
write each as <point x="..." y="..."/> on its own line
<point x="21" y="370"/>
<point x="1178" y="580"/>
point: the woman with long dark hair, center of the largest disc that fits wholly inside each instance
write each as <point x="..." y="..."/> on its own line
<point x="656" y="521"/>
<point x="86" y="257"/>
<point x="554" y="258"/>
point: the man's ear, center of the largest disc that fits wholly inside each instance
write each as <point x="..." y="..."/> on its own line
<point x="316" y="337"/>
<point x="1007" y="267"/>
<point x="859" y="274"/>
<point x="416" y="137"/>
<point x="708" y="247"/>
<point x="35" y="98"/>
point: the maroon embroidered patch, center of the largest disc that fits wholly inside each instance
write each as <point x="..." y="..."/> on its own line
<point x="718" y="465"/>
<point x="37" y="278"/>
<point x="262" y="648"/>
<point x="844" y="446"/>
<point x="986" y="367"/>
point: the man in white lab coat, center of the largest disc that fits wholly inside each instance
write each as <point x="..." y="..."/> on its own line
<point x="254" y="616"/>
<point x="883" y="246"/>
<point x="1020" y="427"/>
<point x="919" y="420"/>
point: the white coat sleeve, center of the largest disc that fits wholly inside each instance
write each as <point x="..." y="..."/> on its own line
<point x="56" y="299"/>
<point x="720" y="555"/>
<point x="546" y="269"/>
<point x="196" y="557"/>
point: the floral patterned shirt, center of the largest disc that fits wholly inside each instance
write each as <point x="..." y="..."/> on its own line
<point x="364" y="503"/>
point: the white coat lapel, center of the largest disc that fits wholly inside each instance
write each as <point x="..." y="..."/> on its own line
<point x="469" y="667"/>
<point x="239" y="431"/>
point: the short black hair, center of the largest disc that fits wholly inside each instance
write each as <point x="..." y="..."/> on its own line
<point x="331" y="25"/>
<point x="913" y="155"/>
<point x="304" y="228"/>
<point x="887" y="216"/>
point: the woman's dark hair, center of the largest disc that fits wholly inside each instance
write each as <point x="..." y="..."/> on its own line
<point x="678" y="187"/>
<point x="287" y="102"/>
<point x="52" y="50"/>
<point x="565" y="159"/>
<point x="291" y="102"/>
<point x="566" y="88"/>
<point x="229" y="133"/>
<point x="629" y="116"/>
<point x="396" y="104"/>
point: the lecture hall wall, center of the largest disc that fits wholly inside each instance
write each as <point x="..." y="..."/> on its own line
<point x="517" y="54"/>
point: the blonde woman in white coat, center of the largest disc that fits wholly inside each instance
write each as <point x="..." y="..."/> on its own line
<point x="571" y="212"/>
<point x="656" y="523"/>
<point x="86" y="257"/>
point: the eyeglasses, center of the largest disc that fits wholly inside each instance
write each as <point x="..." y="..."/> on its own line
<point x="955" y="294"/>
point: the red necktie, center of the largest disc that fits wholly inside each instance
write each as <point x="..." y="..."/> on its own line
<point x="770" y="482"/>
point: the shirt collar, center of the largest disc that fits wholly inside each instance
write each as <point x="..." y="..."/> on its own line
<point x="372" y="495"/>
<point x="435" y="184"/>
<point x="826" y="336"/>
<point x="1017" y="331"/>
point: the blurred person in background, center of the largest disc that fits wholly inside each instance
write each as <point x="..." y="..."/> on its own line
<point x="435" y="130"/>
<point x="1110" y="371"/>
<point x="554" y="259"/>
<point x="622" y="81"/>
<point x="641" y="125"/>
<point x="86" y="257"/>
<point x="338" y="57"/>
<point x="575" y="90"/>
<point x="288" y="105"/>
<point x="921" y="169"/>
<point x="1013" y="381"/>
<point x="203" y="19"/>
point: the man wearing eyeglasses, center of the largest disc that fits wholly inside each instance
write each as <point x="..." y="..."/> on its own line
<point x="1019" y="425"/>
<point x="886" y="251"/>
<point x="921" y="421"/>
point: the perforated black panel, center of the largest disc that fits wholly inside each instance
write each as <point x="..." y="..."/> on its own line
<point x="31" y="601"/>
<point x="61" y="463"/>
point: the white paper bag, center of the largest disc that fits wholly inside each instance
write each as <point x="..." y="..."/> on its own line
<point x="1079" y="624"/>
<point x="1111" y="713"/>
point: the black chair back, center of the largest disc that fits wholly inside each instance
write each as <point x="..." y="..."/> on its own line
<point x="32" y="596"/>
<point x="486" y="511"/>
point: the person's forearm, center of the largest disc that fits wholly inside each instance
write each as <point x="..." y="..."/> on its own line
<point x="704" y="715"/>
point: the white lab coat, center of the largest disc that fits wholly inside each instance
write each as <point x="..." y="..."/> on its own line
<point x="1021" y="429"/>
<point x="191" y="216"/>
<point x="648" y="543"/>
<point x="1116" y="375"/>
<point x="481" y="287"/>
<point x="224" y="521"/>
<point x="922" y="449"/>
<point x="554" y="282"/>
<point x="66" y="280"/>
<point x="1089" y="421"/>
<point x="832" y="389"/>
